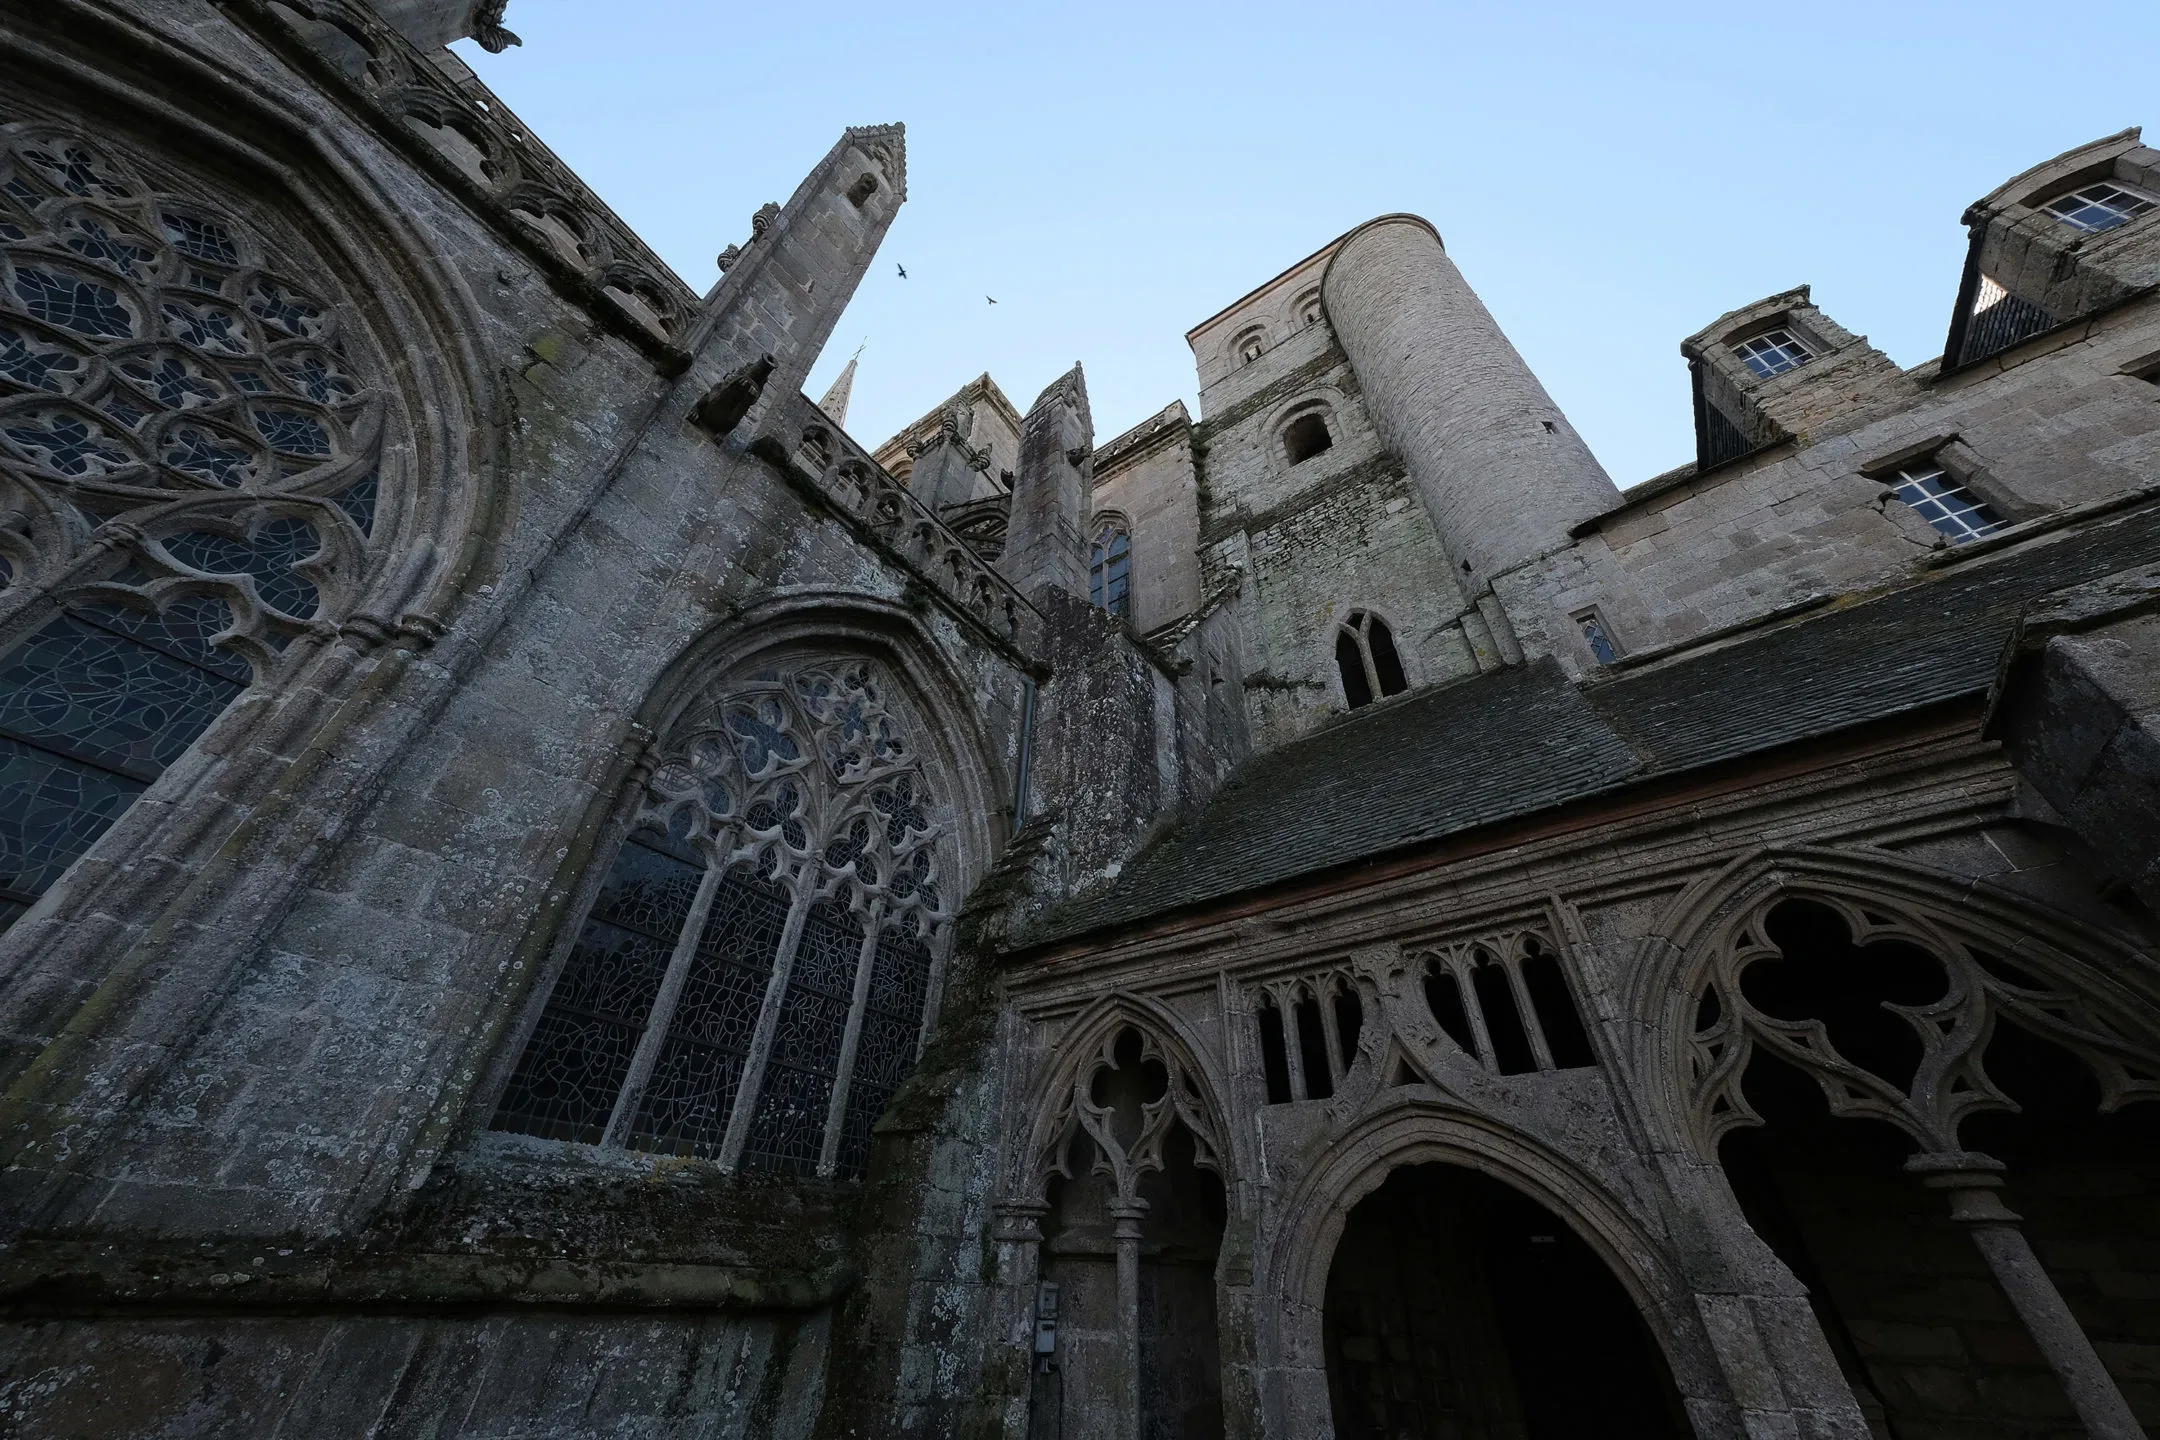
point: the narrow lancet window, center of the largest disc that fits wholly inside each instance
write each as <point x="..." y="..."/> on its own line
<point x="1110" y="567"/>
<point x="1367" y="660"/>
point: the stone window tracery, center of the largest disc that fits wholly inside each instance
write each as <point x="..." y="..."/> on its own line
<point x="1891" y="1016"/>
<point x="189" y="448"/>
<point x="753" y="980"/>
<point x="1309" y="1031"/>
<point x="1367" y="661"/>
<point x="1110" y="566"/>
<point x="1505" y="1000"/>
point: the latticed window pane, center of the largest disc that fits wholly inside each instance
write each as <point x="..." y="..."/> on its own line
<point x="1110" y="570"/>
<point x="1940" y="500"/>
<point x="899" y="988"/>
<point x="73" y="303"/>
<point x="268" y="558"/>
<point x="1773" y="353"/>
<point x="575" y="1063"/>
<point x="52" y="809"/>
<point x="788" y="1132"/>
<point x="2099" y="206"/>
<point x="692" y="1090"/>
<point x="93" y="707"/>
<point x="116" y="381"/>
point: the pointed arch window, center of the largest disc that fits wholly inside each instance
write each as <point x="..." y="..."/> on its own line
<point x="753" y="979"/>
<point x="163" y="379"/>
<point x="1366" y="659"/>
<point x="1110" y="566"/>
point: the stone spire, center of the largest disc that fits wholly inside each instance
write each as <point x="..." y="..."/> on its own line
<point x="835" y="402"/>
<point x="1046" y="537"/>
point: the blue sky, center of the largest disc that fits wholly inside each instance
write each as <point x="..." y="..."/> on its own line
<point x="1610" y="178"/>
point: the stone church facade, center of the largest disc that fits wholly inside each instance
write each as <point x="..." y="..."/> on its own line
<point x="548" y="890"/>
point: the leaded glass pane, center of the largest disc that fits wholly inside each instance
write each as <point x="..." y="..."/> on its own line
<point x="80" y="689"/>
<point x="692" y="1090"/>
<point x="269" y="557"/>
<point x="52" y="809"/>
<point x="358" y="501"/>
<point x="73" y="303"/>
<point x="899" y="986"/>
<point x="575" y="1063"/>
<point x="203" y="239"/>
<point x="36" y="363"/>
<point x="788" y="1131"/>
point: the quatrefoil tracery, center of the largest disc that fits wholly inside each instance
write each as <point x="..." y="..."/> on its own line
<point x="177" y="417"/>
<point x="1127" y="1053"/>
<point x="802" y="776"/>
<point x="1950" y="1032"/>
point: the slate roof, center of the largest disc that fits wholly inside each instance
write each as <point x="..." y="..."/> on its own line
<point x="1507" y="745"/>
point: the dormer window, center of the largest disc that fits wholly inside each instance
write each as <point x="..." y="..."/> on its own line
<point x="1773" y="352"/>
<point x="1944" y="502"/>
<point x="2102" y="205"/>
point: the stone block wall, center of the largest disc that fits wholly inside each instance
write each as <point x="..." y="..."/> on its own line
<point x="2061" y="422"/>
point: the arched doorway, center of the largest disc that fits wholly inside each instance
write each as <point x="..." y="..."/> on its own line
<point x="1460" y="1309"/>
<point x="1867" y="1062"/>
<point x="1136" y="1214"/>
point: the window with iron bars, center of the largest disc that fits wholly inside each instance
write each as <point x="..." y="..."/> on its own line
<point x="1945" y="503"/>
<point x="2099" y="206"/>
<point x="1773" y="352"/>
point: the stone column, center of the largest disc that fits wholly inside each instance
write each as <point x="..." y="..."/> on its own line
<point x="1502" y="473"/>
<point x="1973" y="1182"/>
<point x="1046" y="538"/>
<point x="1019" y="1272"/>
<point x="1125" y="1229"/>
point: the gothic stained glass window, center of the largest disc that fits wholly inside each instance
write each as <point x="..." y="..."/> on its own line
<point x="1110" y="567"/>
<point x="236" y="437"/>
<point x="779" y="1007"/>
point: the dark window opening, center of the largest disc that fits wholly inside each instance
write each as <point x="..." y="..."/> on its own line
<point x="1312" y="1051"/>
<point x="1306" y="437"/>
<point x="1274" y="1056"/>
<point x="1351" y="661"/>
<point x="1349" y="1023"/>
<point x="1557" y="1016"/>
<point x="1443" y="996"/>
<point x="1512" y="1054"/>
<point x="1365" y="654"/>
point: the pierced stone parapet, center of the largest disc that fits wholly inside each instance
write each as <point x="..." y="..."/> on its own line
<point x="462" y="133"/>
<point x="856" y="486"/>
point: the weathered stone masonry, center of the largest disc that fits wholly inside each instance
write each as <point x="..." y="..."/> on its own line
<point x="549" y="890"/>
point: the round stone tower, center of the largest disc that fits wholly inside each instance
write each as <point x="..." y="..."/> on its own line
<point x="1503" y="474"/>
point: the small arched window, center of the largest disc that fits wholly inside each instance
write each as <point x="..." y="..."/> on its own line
<point x="1309" y="310"/>
<point x="1306" y="437"/>
<point x="1110" y="567"/>
<point x="1249" y="346"/>
<point x="1365" y="654"/>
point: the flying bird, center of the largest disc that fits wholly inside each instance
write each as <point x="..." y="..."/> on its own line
<point x="991" y="298"/>
<point x="901" y="268"/>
